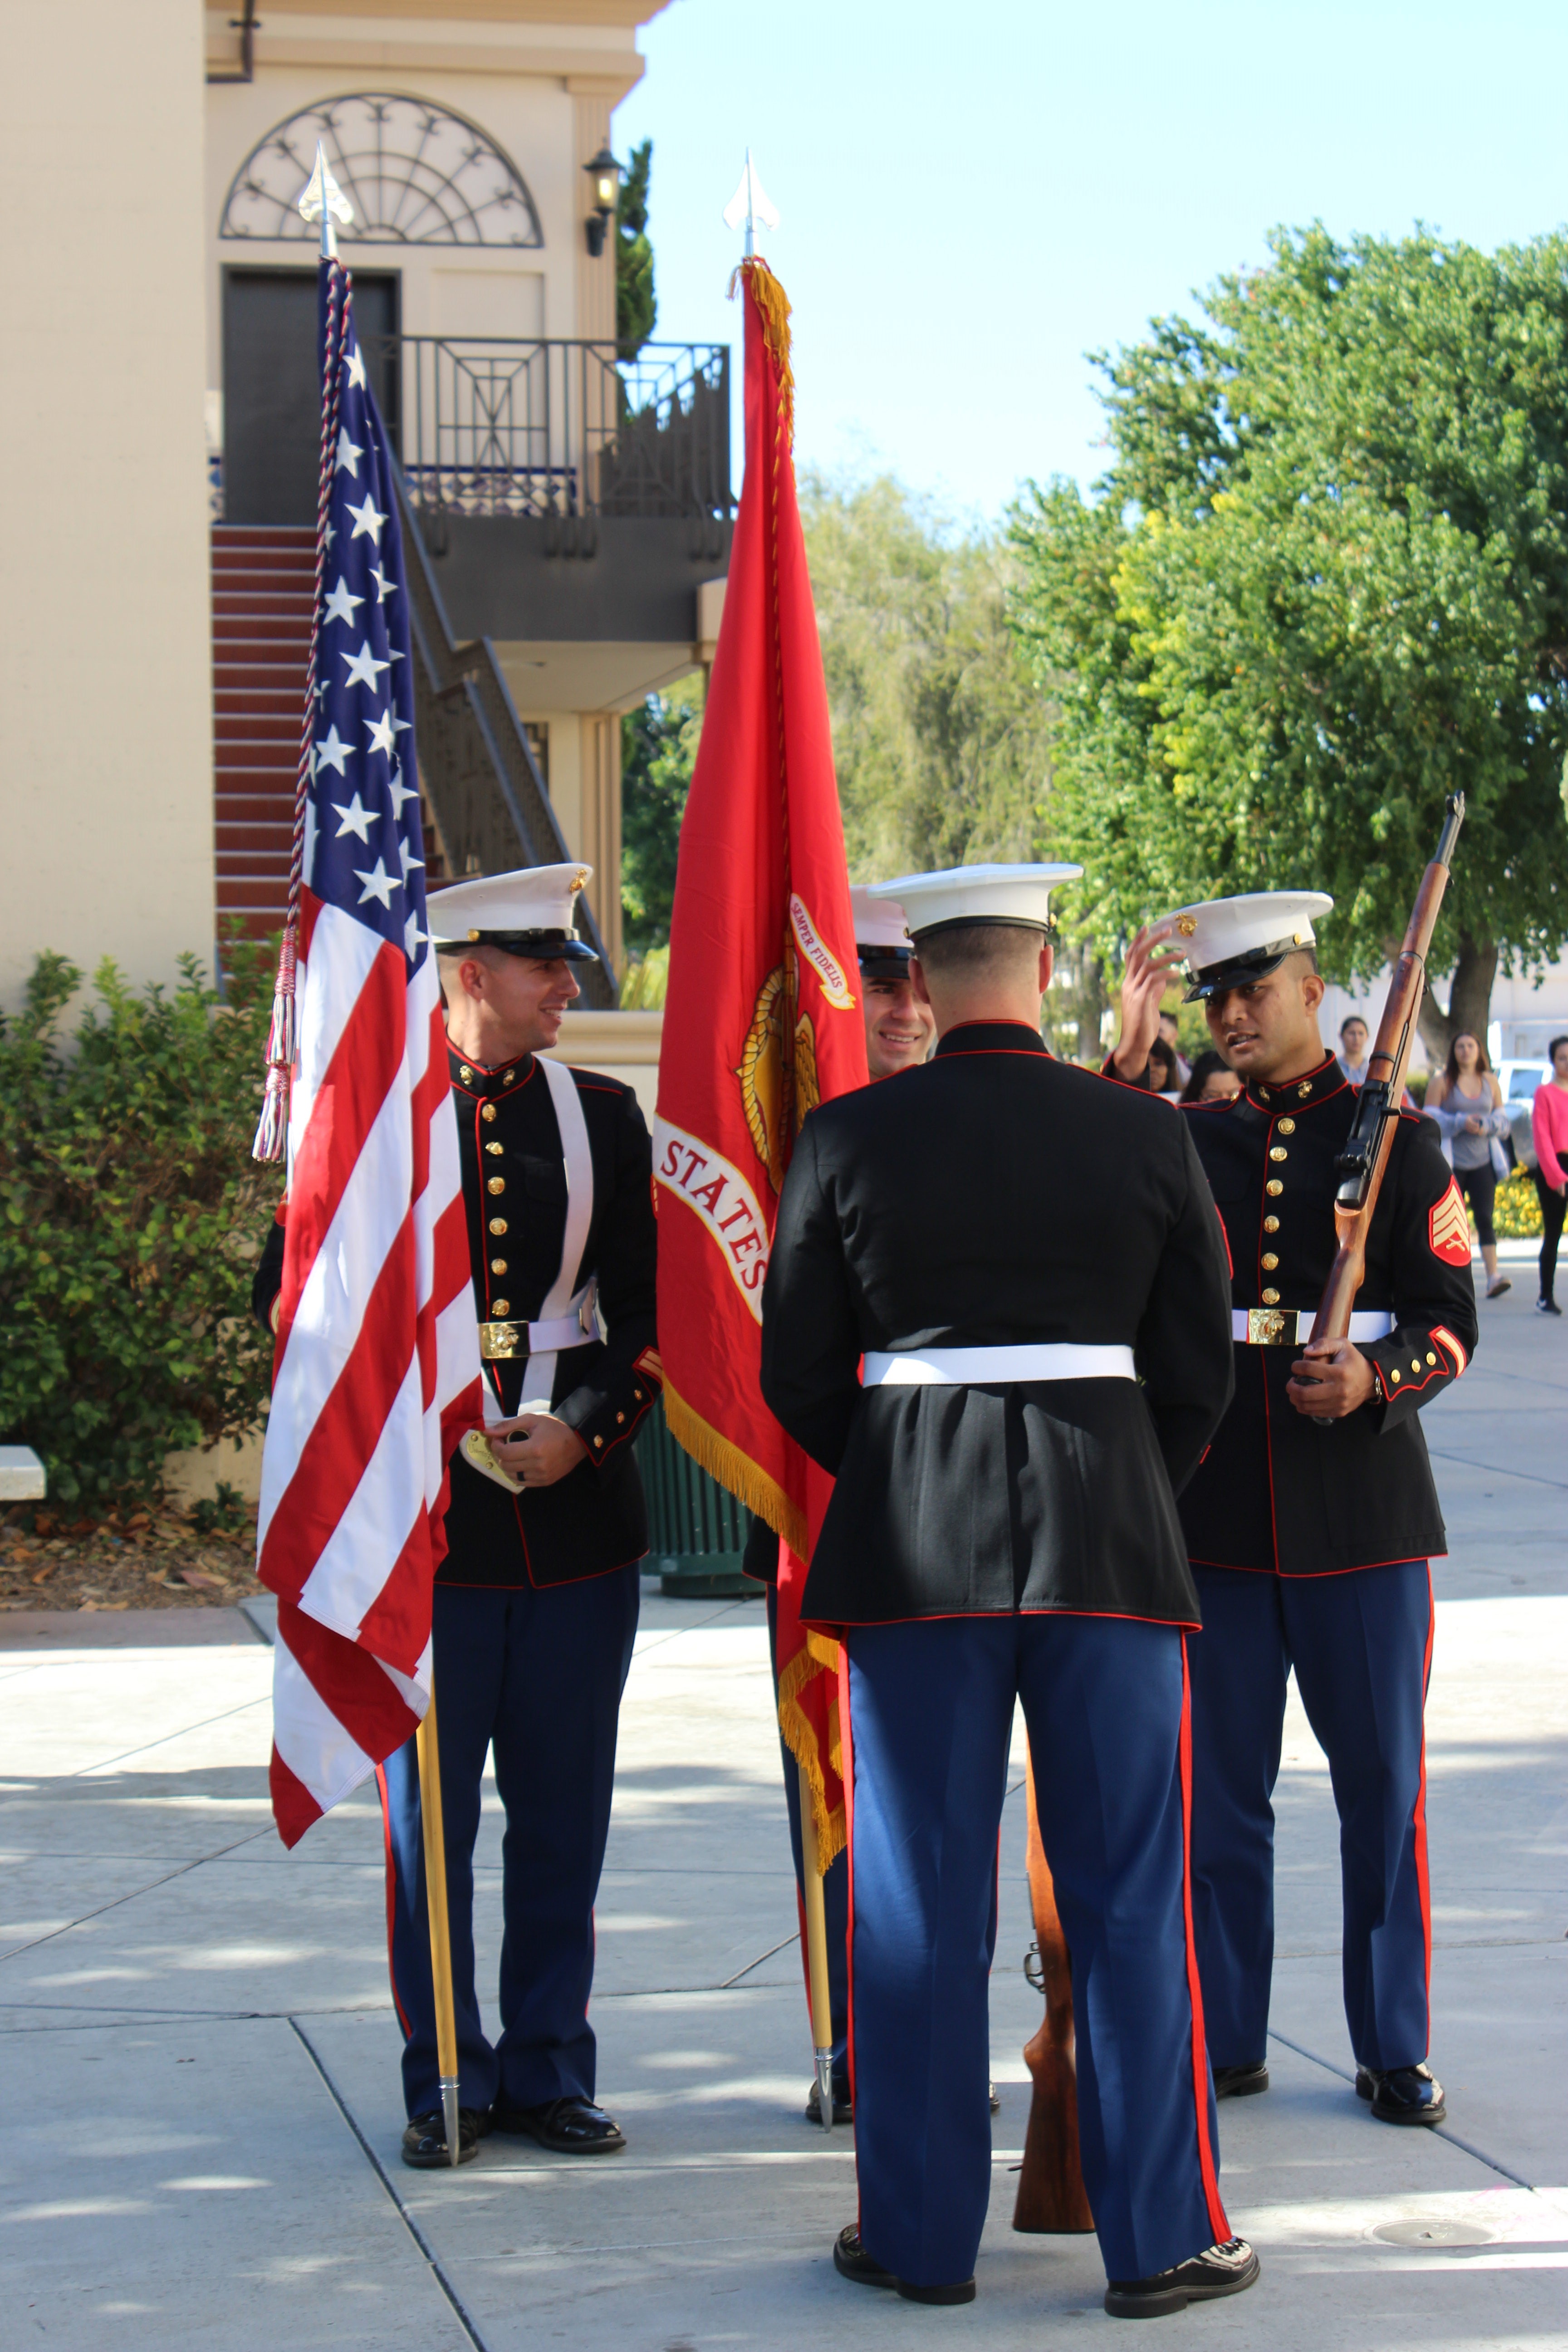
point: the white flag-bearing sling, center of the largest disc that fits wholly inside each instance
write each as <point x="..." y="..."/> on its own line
<point x="376" y="1374"/>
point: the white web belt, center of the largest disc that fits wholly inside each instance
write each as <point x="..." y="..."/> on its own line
<point x="1291" y="1327"/>
<point x="983" y="1367"/>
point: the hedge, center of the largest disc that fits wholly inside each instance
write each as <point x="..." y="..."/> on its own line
<point x="131" y="1213"/>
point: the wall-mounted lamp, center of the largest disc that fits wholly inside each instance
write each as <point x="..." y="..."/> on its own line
<point x="606" y="174"/>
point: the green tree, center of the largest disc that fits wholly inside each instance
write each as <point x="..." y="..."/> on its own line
<point x="658" y="752"/>
<point x="939" y="731"/>
<point x="1322" y="584"/>
<point x="636" y="305"/>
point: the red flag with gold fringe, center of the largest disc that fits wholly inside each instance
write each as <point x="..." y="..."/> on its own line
<point x="762" y="1023"/>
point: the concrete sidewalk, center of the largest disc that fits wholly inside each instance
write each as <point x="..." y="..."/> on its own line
<point x="204" y="2106"/>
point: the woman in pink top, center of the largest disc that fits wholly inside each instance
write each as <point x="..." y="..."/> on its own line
<point x="1549" y="1121"/>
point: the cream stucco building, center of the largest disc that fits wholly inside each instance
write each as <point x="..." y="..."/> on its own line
<point x="571" y="499"/>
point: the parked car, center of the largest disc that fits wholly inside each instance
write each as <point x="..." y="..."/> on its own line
<point x="1519" y="1081"/>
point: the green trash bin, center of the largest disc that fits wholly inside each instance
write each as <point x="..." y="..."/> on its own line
<point x="697" y="1530"/>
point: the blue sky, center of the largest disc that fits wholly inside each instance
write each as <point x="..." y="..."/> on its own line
<point x="972" y="195"/>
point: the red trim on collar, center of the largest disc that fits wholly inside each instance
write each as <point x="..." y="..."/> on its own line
<point x="1281" y="1089"/>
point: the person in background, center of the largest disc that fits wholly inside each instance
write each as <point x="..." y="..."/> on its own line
<point x="1163" y="1079"/>
<point x="1355" y="1041"/>
<point x="900" y="1029"/>
<point x="1212" y="1080"/>
<point x="1466" y="1100"/>
<point x="1549" y="1123"/>
<point x="1170" y="1030"/>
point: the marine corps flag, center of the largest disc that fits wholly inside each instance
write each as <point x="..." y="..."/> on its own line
<point x="762" y="1023"/>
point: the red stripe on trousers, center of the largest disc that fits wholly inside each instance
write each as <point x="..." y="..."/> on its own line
<point x="1422" y="1882"/>
<point x="293" y="1808"/>
<point x="364" y="1065"/>
<point x="391" y="1898"/>
<point x="846" y="1776"/>
<point x="1217" y="2221"/>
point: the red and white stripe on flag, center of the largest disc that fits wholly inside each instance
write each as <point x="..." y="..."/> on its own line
<point x="377" y="1370"/>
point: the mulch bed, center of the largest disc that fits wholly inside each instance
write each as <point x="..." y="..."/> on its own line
<point x="150" y="1560"/>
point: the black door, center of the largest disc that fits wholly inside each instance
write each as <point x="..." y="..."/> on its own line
<point x="272" y="394"/>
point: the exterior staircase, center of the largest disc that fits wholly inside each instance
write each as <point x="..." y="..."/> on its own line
<point x="263" y="584"/>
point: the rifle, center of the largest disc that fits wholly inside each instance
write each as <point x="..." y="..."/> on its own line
<point x="1051" y="2196"/>
<point x="1366" y="1156"/>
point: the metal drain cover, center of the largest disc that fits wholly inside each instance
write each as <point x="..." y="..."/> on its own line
<point x="1433" y="2233"/>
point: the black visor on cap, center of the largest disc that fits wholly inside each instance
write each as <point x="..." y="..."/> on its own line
<point x="544" y="947"/>
<point x="1214" y="979"/>
<point x="883" y="962"/>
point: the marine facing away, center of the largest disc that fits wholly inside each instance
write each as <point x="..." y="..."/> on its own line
<point x="1030" y="1266"/>
<point x="1311" y="1521"/>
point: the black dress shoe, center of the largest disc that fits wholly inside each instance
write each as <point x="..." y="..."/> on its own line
<point x="1404" y="2094"/>
<point x="425" y="2141"/>
<point x="571" y="2127"/>
<point x="1241" y="2081"/>
<point x="851" y="2260"/>
<point x="1223" y="2270"/>
<point x="843" y="2106"/>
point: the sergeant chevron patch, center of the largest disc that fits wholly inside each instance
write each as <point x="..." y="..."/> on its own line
<point x="1449" y="1228"/>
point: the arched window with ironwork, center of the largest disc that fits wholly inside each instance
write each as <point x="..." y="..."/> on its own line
<point x="415" y="173"/>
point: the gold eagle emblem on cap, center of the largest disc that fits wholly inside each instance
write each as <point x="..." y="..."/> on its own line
<point x="1187" y="924"/>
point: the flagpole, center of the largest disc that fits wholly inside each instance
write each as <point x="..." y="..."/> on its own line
<point x="441" y="1922"/>
<point x="816" y="1953"/>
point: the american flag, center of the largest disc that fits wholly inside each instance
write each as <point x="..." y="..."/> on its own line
<point x="376" y="1373"/>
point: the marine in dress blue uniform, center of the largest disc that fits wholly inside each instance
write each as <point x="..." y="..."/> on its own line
<point x="1310" y="1536"/>
<point x="899" y="1032"/>
<point x="535" y="1603"/>
<point x="1045" y="1361"/>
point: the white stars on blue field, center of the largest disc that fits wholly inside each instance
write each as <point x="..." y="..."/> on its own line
<point x="365" y="853"/>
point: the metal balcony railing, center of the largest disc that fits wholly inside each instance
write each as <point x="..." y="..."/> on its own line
<point x="493" y="424"/>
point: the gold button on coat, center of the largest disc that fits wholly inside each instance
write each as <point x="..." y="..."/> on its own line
<point x="1286" y="1127"/>
<point x="487" y="1110"/>
<point x="1394" y="1376"/>
<point x="1273" y="1185"/>
<point x="496" y="1150"/>
<point x="1270" y="1224"/>
<point x="1269" y="1260"/>
<point x="498" y="1266"/>
<point x="1431" y="1359"/>
<point x="1416" y="1363"/>
<point x="495" y="1184"/>
<point x="1271" y="1298"/>
<point x="1277" y="1152"/>
<point x="497" y="1224"/>
<point x="500" y="1308"/>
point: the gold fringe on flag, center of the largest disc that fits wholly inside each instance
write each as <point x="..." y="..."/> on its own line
<point x="743" y="1478"/>
<point x="773" y="303"/>
<point x="820" y="1655"/>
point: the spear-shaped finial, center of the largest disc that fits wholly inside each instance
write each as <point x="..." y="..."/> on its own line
<point x="750" y="204"/>
<point x="321" y="199"/>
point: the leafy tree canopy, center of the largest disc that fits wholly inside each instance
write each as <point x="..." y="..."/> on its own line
<point x="636" y="305"/>
<point x="939" y="731"/>
<point x="658" y="752"/>
<point x="1322" y="584"/>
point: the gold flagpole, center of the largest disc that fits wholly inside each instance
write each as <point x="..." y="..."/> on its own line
<point x="816" y="1954"/>
<point x="441" y="1924"/>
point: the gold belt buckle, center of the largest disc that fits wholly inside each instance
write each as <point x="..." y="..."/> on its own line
<point x="1267" y="1326"/>
<point x="500" y="1340"/>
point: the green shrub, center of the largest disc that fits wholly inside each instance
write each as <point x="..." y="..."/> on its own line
<point x="131" y="1213"/>
<point x="1518" y="1210"/>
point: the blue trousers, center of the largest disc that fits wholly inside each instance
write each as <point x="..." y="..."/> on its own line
<point x="1362" y="1647"/>
<point x="931" y="1714"/>
<point x="835" y="1889"/>
<point x="538" y="1676"/>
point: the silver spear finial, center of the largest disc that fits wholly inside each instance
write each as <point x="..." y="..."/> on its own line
<point x="322" y="199"/>
<point x="750" y="204"/>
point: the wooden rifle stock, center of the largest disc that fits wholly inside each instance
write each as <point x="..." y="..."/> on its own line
<point x="1366" y="1156"/>
<point x="1051" y="2196"/>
